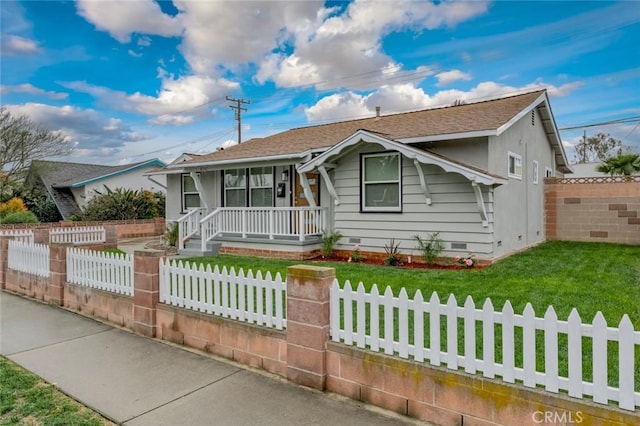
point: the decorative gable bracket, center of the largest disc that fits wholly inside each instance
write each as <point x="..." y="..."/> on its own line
<point x="423" y="182"/>
<point x="481" y="207"/>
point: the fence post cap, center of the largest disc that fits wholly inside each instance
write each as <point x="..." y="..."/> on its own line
<point x="310" y="271"/>
<point x="148" y="253"/>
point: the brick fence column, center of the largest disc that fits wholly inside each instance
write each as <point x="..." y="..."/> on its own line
<point x="4" y="260"/>
<point x="308" y="324"/>
<point x="58" y="273"/>
<point x="146" y="290"/>
<point x="111" y="234"/>
<point x="551" y="209"/>
<point x="41" y="235"/>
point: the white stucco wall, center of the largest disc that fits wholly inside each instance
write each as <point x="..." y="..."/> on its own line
<point x="133" y="180"/>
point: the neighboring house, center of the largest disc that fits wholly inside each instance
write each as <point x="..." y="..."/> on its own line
<point x="587" y="170"/>
<point x="472" y="172"/>
<point x="71" y="185"/>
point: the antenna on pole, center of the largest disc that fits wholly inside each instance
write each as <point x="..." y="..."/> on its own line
<point x="238" y="113"/>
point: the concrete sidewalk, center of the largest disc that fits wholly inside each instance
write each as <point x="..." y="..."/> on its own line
<point x="134" y="380"/>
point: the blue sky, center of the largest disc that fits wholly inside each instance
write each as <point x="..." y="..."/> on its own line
<point x="131" y="80"/>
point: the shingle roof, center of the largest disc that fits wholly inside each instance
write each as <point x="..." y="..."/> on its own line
<point x="465" y="118"/>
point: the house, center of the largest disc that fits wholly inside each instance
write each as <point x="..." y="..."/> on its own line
<point x="472" y="172"/>
<point x="71" y="185"/>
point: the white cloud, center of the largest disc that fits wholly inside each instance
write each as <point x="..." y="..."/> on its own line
<point x="121" y="18"/>
<point x="133" y="53"/>
<point x="351" y="43"/>
<point x="32" y="90"/>
<point x="407" y="97"/>
<point x="176" y="102"/>
<point x="447" y="77"/>
<point x="16" y="45"/>
<point x="92" y="132"/>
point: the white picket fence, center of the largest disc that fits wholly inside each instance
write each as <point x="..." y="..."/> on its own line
<point x="29" y="258"/>
<point x="78" y="235"/>
<point x="389" y="332"/>
<point x="24" y="235"/>
<point x="101" y="270"/>
<point x="253" y="299"/>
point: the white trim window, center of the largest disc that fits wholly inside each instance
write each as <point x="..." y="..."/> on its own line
<point x="381" y="185"/>
<point x="235" y="188"/>
<point x="190" y="194"/>
<point x="261" y="187"/>
<point x="514" y="165"/>
<point x="535" y="172"/>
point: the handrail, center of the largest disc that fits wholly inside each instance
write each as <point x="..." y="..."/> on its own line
<point x="188" y="226"/>
<point x="208" y="228"/>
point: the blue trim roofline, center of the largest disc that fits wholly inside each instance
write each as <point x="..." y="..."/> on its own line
<point x="150" y="163"/>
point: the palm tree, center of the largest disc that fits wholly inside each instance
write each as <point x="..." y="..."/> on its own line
<point x="621" y="165"/>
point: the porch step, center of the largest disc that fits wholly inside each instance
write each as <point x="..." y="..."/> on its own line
<point x="193" y="247"/>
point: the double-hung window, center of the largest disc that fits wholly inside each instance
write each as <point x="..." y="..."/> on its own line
<point x="381" y="182"/>
<point x="261" y="187"/>
<point x="190" y="195"/>
<point x="514" y="166"/>
<point x="235" y="187"/>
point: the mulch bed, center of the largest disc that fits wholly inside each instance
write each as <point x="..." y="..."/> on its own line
<point x="403" y="265"/>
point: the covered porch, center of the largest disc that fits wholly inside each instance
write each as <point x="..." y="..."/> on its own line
<point x="203" y="231"/>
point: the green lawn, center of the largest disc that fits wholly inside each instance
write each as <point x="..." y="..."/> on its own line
<point x="27" y="400"/>
<point x="591" y="277"/>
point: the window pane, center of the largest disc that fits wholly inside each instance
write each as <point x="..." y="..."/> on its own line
<point x="234" y="178"/>
<point x="235" y="198"/>
<point x="262" y="197"/>
<point x="189" y="184"/>
<point x="191" y="200"/>
<point x="261" y="177"/>
<point x="382" y="195"/>
<point x="381" y="168"/>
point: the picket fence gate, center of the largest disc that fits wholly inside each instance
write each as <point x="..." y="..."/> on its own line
<point x="250" y="298"/>
<point x="78" y="235"/>
<point x="29" y="258"/>
<point x="24" y="235"/>
<point x="399" y="312"/>
<point x="101" y="270"/>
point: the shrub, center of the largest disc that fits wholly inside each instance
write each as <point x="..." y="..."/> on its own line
<point x="42" y="206"/>
<point x="430" y="248"/>
<point x="172" y="234"/>
<point x="393" y="253"/>
<point x="19" y="217"/>
<point x="14" y="205"/>
<point x="356" y="256"/>
<point x="467" y="261"/>
<point x="329" y="241"/>
<point x="122" y="204"/>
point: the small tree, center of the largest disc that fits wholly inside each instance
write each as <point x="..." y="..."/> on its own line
<point x="22" y="140"/>
<point x="597" y="148"/>
<point x="621" y="165"/>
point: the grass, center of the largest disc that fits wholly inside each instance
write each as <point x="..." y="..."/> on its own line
<point x="591" y="277"/>
<point x="27" y="400"/>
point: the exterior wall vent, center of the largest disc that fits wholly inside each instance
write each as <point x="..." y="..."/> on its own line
<point x="458" y="246"/>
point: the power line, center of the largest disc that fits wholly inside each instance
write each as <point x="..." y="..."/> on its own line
<point x="603" y="123"/>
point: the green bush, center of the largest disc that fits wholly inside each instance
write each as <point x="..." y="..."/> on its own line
<point x="123" y="204"/>
<point x="430" y="248"/>
<point x="328" y="241"/>
<point x="19" y="217"/>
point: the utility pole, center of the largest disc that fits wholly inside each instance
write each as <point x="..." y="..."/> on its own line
<point x="238" y="113"/>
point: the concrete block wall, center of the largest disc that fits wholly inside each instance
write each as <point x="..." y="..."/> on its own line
<point x="601" y="209"/>
<point x="304" y="354"/>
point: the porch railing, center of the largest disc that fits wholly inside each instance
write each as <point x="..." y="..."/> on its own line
<point x="189" y="225"/>
<point x="272" y="222"/>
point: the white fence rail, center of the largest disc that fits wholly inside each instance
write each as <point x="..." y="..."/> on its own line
<point x="29" y="258"/>
<point x="78" y="235"/>
<point x="24" y="235"/>
<point x="102" y="270"/>
<point x="412" y="327"/>
<point x="272" y="222"/>
<point x="241" y="297"/>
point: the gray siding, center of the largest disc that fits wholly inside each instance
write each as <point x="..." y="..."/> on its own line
<point x="454" y="212"/>
<point x="519" y="204"/>
<point x="469" y="151"/>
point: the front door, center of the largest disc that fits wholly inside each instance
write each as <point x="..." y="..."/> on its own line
<point x="300" y="200"/>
